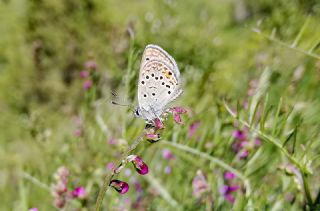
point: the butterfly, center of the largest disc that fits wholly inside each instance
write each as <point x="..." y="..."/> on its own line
<point x="159" y="83"/>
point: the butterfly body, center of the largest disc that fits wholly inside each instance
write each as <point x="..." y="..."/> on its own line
<point x="159" y="83"/>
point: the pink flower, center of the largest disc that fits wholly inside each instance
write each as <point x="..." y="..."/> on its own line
<point x="199" y="184"/>
<point x="240" y="135"/>
<point x="243" y="154"/>
<point x="176" y="111"/>
<point x="110" y="166"/>
<point x="87" y="84"/>
<point x="119" y="186"/>
<point x="227" y="191"/>
<point x="91" y="64"/>
<point x="78" y="132"/>
<point x="167" y="170"/>
<point x="158" y="124"/>
<point x="34" y="209"/>
<point x="193" y="127"/>
<point x="229" y="175"/>
<point x="138" y="163"/>
<point x="152" y="137"/>
<point x="167" y="154"/>
<point x="84" y="74"/>
<point x="79" y="192"/>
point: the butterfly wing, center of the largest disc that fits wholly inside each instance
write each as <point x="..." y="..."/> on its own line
<point x="159" y="81"/>
<point x="154" y="52"/>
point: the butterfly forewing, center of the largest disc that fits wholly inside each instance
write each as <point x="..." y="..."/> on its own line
<point x="154" y="52"/>
<point x="158" y="81"/>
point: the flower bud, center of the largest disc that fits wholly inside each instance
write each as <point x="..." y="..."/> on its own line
<point x="138" y="163"/>
<point x="119" y="186"/>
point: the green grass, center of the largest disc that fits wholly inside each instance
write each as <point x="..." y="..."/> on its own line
<point x="45" y="44"/>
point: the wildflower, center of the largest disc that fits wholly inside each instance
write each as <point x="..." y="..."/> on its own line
<point x="119" y="186"/>
<point x="79" y="192"/>
<point x="87" y="84"/>
<point x="91" y="64"/>
<point x="110" y="166"/>
<point x="229" y="175"/>
<point x="78" y="132"/>
<point x="33" y="209"/>
<point x="167" y="154"/>
<point x="127" y="172"/>
<point x="167" y="170"/>
<point x="243" y="154"/>
<point x="84" y="74"/>
<point x="152" y="137"/>
<point x="227" y="191"/>
<point x="240" y="135"/>
<point x="193" y="127"/>
<point x="138" y="163"/>
<point x="158" y="124"/>
<point x="177" y="111"/>
<point x="200" y="184"/>
<point x="60" y="188"/>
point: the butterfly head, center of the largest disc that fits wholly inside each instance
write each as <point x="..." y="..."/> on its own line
<point x="137" y="112"/>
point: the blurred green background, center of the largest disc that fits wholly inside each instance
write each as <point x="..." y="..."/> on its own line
<point x="233" y="50"/>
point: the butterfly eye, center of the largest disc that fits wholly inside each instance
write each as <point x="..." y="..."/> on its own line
<point x="137" y="112"/>
<point x="147" y="59"/>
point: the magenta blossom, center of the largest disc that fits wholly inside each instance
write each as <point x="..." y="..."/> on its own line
<point x="78" y="132"/>
<point x="158" y="124"/>
<point x="84" y="74"/>
<point x="87" y="84"/>
<point x="227" y="191"/>
<point x="193" y="127"/>
<point x="91" y="64"/>
<point x="167" y="170"/>
<point x="153" y="137"/>
<point x="240" y="135"/>
<point x="79" y="192"/>
<point x="199" y="184"/>
<point x="119" y="186"/>
<point x="138" y="163"/>
<point x="177" y="111"/>
<point x="110" y="166"/>
<point x="167" y="154"/>
<point x="229" y="175"/>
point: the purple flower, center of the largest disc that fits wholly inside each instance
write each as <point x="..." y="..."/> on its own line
<point x="158" y="124"/>
<point x="78" y="132"/>
<point x="229" y="175"/>
<point x="112" y="141"/>
<point x="138" y="163"/>
<point x="167" y="154"/>
<point x="227" y="191"/>
<point x="33" y="209"/>
<point x="119" y="186"/>
<point x="167" y="170"/>
<point x="153" y="137"/>
<point x="199" y="184"/>
<point x="243" y="154"/>
<point x="240" y="135"/>
<point x="193" y="127"/>
<point x="79" y="192"/>
<point x="176" y="111"/>
<point x="257" y="142"/>
<point x="87" y="84"/>
<point x="84" y="74"/>
<point x="91" y="64"/>
<point x="110" y="166"/>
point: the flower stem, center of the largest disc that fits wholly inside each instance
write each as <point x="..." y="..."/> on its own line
<point x="109" y="177"/>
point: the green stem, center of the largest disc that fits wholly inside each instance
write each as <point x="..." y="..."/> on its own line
<point x="109" y="177"/>
<point x="216" y="161"/>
